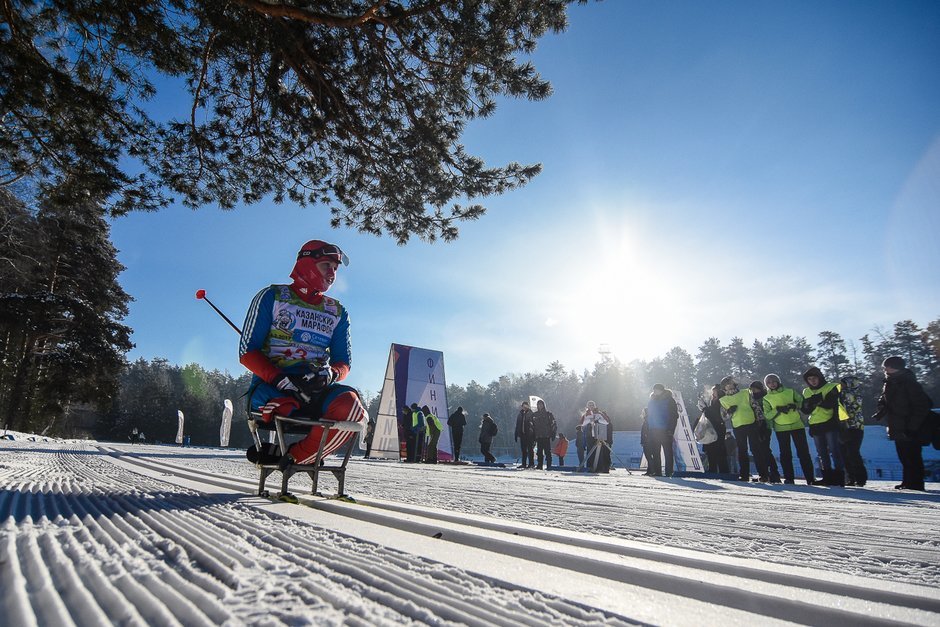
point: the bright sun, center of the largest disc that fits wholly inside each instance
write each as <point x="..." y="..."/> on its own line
<point x="622" y="296"/>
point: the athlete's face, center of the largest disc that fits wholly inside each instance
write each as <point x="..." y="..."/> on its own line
<point x="772" y="383"/>
<point x="812" y="380"/>
<point x="326" y="268"/>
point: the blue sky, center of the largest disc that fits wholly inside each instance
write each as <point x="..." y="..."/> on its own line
<point x="710" y="169"/>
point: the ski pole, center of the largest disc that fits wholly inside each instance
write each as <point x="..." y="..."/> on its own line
<point x="201" y="295"/>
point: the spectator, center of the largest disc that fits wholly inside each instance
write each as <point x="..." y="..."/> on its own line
<point x="782" y="410"/>
<point x="663" y="415"/>
<point x="457" y="421"/>
<point x="598" y="436"/>
<point x="821" y="402"/>
<point x="645" y="443"/>
<point x="769" y="471"/>
<point x="414" y="437"/>
<point x="905" y="405"/>
<point x="851" y="437"/>
<point x="544" y="428"/>
<point x="580" y="444"/>
<point x="488" y="431"/>
<point x="715" y="452"/>
<point x="434" y="429"/>
<point x="737" y="404"/>
<point x="369" y="436"/>
<point x="525" y="435"/>
<point x="561" y="448"/>
<point x="731" y="452"/>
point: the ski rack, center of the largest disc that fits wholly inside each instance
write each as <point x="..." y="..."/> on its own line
<point x="291" y="425"/>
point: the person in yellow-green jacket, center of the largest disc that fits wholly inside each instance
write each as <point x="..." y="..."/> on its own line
<point x="821" y="402"/>
<point x="782" y="410"/>
<point x="737" y="405"/>
<point x="434" y="429"/>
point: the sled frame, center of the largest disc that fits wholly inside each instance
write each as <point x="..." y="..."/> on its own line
<point x="299" y="425"/>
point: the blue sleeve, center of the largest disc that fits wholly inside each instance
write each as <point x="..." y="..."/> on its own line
<point x="340" y="346"/>
<point x="258" y="322"/>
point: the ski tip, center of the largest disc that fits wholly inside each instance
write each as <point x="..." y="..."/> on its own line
<point x="200" y="294"/>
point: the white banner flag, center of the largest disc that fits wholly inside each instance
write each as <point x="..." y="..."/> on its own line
<point x="226" y="427"/>
<point x="179" y="429"/>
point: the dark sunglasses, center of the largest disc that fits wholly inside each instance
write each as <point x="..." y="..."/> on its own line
<point x="327" y="250"/>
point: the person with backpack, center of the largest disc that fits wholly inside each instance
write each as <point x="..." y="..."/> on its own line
<point x="488" y="431"/>
<point x="906" y="406"/>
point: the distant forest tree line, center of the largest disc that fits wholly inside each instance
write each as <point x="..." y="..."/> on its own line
<point x="149" y="393"/>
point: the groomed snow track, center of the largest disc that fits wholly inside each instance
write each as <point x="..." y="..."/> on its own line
<point x="103" y="535"/>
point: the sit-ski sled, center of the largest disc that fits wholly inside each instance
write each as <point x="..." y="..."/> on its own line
<point x="296" y="425"/>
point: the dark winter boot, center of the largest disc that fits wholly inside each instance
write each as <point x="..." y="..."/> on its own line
<point x="267" y="455"/>
<point x="834" y="478"/>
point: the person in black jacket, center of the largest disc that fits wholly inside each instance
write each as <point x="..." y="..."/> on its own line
<point x="906" y="405"/>
<point x="457" y="421"/>
<point x="663" y="416"/>
<point x="545" y="430"/>
<point x="488" y="431"/>
<point x="525" y="435"/>
<point x="715" y="452"/>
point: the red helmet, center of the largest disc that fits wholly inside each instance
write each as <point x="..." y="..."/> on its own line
<point x="307" y="277"/>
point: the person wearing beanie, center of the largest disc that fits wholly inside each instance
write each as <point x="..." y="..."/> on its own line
<point x="737" y="406"/>
<point x="782" y="410"/>
<point x="907" y="407"/>
<point x="662" y="414"/>
<point x="769" y="473"/>
<point x="488" y="431"/>
<point x="821" y="402"/>
<point x="295" y="341"/>
<point x="715" y="452"/>
<point x="525" y="435"/>
<point x="851" y="437"/>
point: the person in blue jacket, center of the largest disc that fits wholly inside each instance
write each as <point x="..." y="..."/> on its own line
<point x="662" y="415"/>
<point x="295" y="341"/>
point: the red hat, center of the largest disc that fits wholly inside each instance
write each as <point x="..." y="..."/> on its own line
<point x="307" y="277"/>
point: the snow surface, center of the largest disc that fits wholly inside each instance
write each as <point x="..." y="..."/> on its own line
<point x="95" y="533"/>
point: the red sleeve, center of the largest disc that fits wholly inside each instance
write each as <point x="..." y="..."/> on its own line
<point x="258" y="363"/>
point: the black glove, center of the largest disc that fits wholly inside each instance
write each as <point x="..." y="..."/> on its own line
<point x="321" y="379"/>
<point x="730" y="410"/>
<point x="810" y="403"/>
<point x="302" y="386"/>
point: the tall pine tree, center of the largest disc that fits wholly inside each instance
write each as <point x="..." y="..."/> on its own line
<point x="63" y="337"/>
